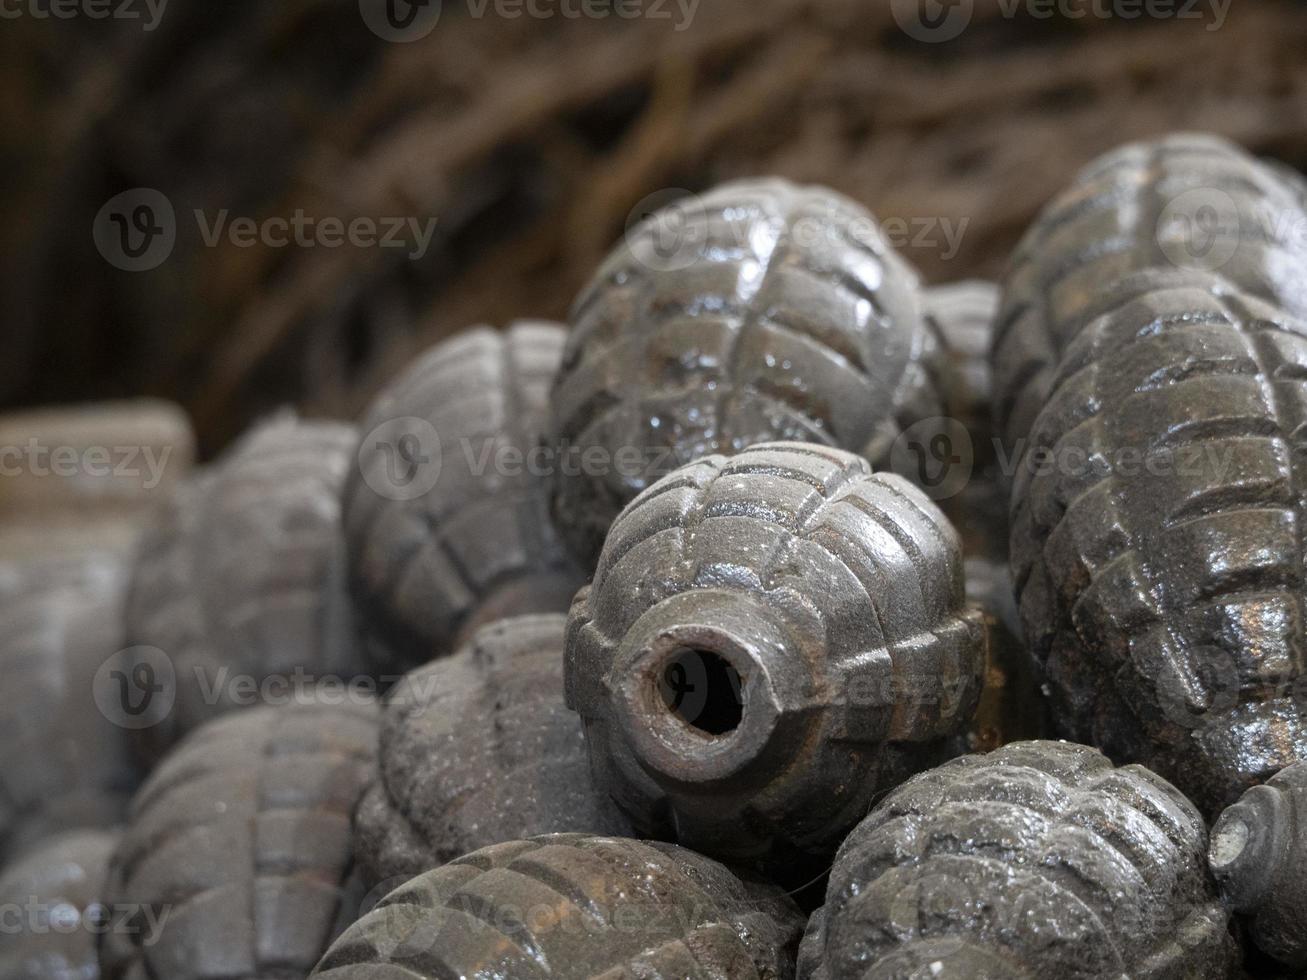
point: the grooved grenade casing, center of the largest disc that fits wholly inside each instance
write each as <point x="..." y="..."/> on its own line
<point x="782" y="314"/>
<point x="770" y="640"/>
<point x="1038" y="860"/>
<point x="446" y="514"/>
<point x="572" y="907"/>
<point x="1259" y="857"/>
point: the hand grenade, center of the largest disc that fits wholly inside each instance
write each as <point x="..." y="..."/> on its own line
<point x="1037" y="860"/>
<point x="1137" y="217"/>
<point x="242" y="580"/>
<point x="771" y="640"/>
<point x="1259" y="857"/>
<point x="64" y="760"/>
<point x="479" y="748"/>
<point x="242" y="836"/>
<point x="572" y="907"/>
<point x="446" y="517"/>
<point x="59" y="886"/>
<point x="774" y="312"/>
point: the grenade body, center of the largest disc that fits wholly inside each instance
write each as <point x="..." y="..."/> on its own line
<point x="479" y="748"/>
<point x="1154" y="541"/>
<point x="242" y="579"/>
<point x="60" y="887"/>
<point x="1037" y="860"/>
<point x="1133" y="219"/>
<point x="786" y="316"/>
<point x="64" y="763"/>
<point x="1259" y="857"/>
<point x="459" y="534"/>
<point x="770" y="640"/>
<point x="243" y="835"/>
<point x="571" y="907"/>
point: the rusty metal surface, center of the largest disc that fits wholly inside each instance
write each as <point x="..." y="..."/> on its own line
<point x="479" y="748"/>
<point x="1037" y="860"/>
<point x="778" y="311"/>
<point x="58" y="886"/>
<point x="446" y="513"/>
<point x="1259" y="856"/>
<point x="242" y="835"/>
<point x="63" y="763"/>
<point x="1148" y="209"/>
<point x="572" y="907"/>
<point x="242" y="577"/>
<point x="770" y="640"/>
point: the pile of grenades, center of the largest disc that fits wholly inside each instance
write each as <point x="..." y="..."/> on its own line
<point x="724" y="634"/>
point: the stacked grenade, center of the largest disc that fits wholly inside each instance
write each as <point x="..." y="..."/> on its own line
<point x="446" y="513"/>
<point x="1038" y="860"/>
<point x="768" y="630"/>
<point x="572" y="907"/>
<point x="1156" y="509"/>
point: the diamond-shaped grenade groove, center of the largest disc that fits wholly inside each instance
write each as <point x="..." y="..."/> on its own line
<point x="446" y="514"/>
<point x="573" y="907"/>
<point x="771" y="640"/>
<point x="1259" y="857"/>
<point x="1037" y="860"/>
<point x="760" y="311"/>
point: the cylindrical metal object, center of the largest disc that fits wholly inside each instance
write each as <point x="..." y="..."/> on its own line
<point x="53" y="911"/>
<point x="1259" y="857"/>
<point x="1037" y="860"/>
<point x="240" y="584"/>
<point x="64" y="761"/>
<point x="781" y="313"/>
<point x="771" y="640"/>
<point x="479" y="748"/>
<point x="241" y="839"/>
<point x="446" y="515"/>
<point x="572" y="907"/>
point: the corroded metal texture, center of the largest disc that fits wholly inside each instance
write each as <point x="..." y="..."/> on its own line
<point x="446" y="514"/>
<point x="63" y="762"/>
<point x="52" y="899"/>
<point x="242" y="834"/>
<point x="241" y="580"/>
<point x="962" y="315"/>
<point x="781" y="313"/>
<point x="771" y="640"/>
<point x="1038" y="860"/>
<point x="1158" y="208"/>
<point x="572" y="907"/>
<point x="1157" y="538"/>
<point x="1259" y="857"/>
<point x="479" y="748"/>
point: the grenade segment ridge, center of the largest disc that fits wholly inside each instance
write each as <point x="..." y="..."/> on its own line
<point x="1037" y="860"/>
<point x="1144" y="215"/>
<point x="572" y="907"/>
<point x="446" y="514"/>
<point x="786" y="315"/>
<point x="962" y="315"/>
<point x="243" y="577"/>
<point x="770" y="640"/>
<point x="242" y="837"/>
<point x="60" y="888"/>
<point x="479" y="748"/>
<point x="1157" y="538"/>
<point x="1259" y="857"/>
<point x="64" y="762"/>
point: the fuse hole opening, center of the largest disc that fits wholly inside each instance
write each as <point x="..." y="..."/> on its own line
<point x="703" y="691"/>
